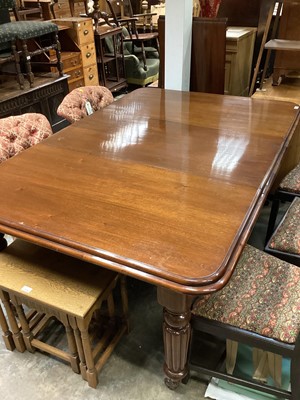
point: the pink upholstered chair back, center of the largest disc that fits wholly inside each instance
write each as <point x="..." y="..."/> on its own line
<point x="83" y="101"/>
<point x="20" y="132"/>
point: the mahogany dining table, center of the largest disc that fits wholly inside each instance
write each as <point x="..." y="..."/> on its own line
<point x="163" y="186"/>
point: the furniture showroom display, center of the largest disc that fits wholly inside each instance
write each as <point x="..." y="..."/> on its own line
<point x="164" y="186"/>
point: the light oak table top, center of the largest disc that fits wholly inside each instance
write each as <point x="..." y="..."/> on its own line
<point x="164" y="186"/>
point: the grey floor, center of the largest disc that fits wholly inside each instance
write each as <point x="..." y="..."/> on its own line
<point x="134" y="371"/>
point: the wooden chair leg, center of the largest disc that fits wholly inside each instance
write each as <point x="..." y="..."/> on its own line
<point x="91" y="372"/>
<point x="82" y="362"/>
<point x="272" y="218"/>
<point x="124" y="298"/>
<point x="26" y="331"/>
<point x="74" y="360"/>
<point x="6" y="333"/>
<point x="17" y="335"/>
<point x="20" y="77"/>
<point x="58" y="55"/>
<point x="27" y="59"/>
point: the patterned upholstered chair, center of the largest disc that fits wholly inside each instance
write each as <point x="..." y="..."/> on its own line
<point x="19" y="132"/>
<point x="83" y="101"/>
<point x="285" y="241"/>
<point x="288" y="189"/>
<point x="43" y="34"/>
<point x="260" y="307"/>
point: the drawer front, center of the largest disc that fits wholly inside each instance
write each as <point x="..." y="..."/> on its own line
<point x="75" y="73"/>
<point x="76" y="84"/>
<point x="85" y="33"/>
<point x="91" y="75"/>
<point x="72" y="62"/>
<point x="81" y="30"/>
<point x="88" y="54"/>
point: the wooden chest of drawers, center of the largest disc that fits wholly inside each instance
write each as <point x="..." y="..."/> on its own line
<point x="78" y="35"/>
<point x="81" y="32"/>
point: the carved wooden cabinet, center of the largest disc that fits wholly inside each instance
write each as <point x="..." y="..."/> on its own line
<point x="44" y="98"/>
<point x="78" y="51"/>
<point x="239" y="52"/>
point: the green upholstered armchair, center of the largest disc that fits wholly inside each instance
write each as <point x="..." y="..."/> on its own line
<point x="22" y="31"/>
<point x="138" y="71"/>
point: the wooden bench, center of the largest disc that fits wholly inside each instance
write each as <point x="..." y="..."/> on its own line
<point x="38" y="285"/>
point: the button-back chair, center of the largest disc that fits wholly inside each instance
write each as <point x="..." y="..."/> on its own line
<point x="19" y="132"/>
<point x="84" y="101"/>
<point x="260" y="307"/>
<point x="35" y="37"/>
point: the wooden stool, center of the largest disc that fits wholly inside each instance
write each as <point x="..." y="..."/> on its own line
<point x="55" y="286"/>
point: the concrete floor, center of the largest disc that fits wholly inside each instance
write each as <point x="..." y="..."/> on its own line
<point x="134" y="371"/>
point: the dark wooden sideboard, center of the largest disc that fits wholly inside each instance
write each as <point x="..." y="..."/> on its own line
<point x="44" y="98"/>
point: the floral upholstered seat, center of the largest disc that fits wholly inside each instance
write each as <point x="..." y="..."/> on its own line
<point x="287" y="236"/>
<point x="20" y="132"/>
<point x="259" y="307"/>
<point x="291" y="183"/>
<point x="83" y="101"/>
<point x="262" y="296"/>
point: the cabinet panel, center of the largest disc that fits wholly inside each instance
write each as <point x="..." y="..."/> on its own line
<point x="239" y="52"/>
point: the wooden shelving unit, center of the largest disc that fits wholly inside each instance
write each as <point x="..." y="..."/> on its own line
<point x="110" y="62"/>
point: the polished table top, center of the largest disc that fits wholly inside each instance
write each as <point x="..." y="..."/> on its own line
<point x="161" y="185"/>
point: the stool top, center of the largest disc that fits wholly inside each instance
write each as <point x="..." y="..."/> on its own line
<point x="65" y="283"/>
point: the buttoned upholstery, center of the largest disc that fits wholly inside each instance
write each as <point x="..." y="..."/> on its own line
<point x="18" y="133"/>
<point x="75" y="105"/>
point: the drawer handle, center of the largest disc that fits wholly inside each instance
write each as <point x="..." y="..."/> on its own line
<point x="91" y="76"/>
<point x="85" y="32"/>
<point x="88" y="55"/>
<point x="77" y="73"/>
<point x="74" y="62"/>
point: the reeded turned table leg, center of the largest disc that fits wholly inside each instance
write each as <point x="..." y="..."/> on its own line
<point x="176" y="334"/>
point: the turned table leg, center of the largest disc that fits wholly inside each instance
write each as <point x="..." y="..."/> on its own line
<point x="176" y="334"/>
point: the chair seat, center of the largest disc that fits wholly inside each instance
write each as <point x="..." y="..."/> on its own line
<point x="136" y="73"/>
<point x="7" y="35"/>
<point x="287" y="236"/>
<point x="262" y="296"/>
<point x="291" y="182"/>
<point x="28" y="29"/>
